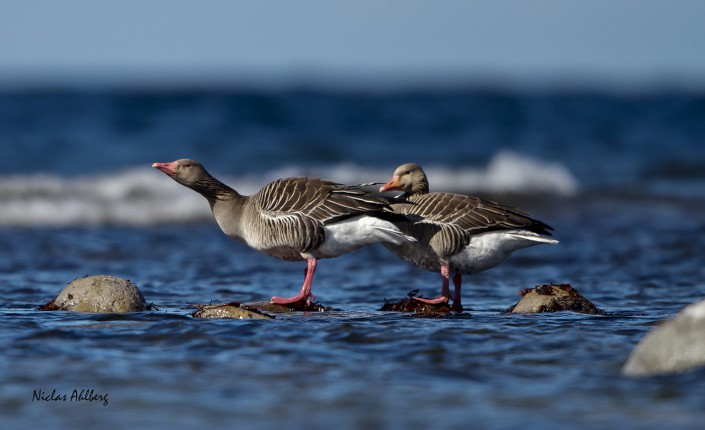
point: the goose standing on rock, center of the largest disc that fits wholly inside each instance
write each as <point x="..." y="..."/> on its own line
<point x="294" y="219"/>
<point x="457" y="233"/>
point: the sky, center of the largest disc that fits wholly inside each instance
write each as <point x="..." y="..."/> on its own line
<point x="363" y="42"/>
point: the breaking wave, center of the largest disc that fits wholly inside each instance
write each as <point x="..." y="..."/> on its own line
<point x="144" y="196"/>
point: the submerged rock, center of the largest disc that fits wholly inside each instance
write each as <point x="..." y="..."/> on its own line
<point x="554" y="298"/>
<point x="229" y="310"/>
<point x="674" y="346"/>
<point x="100" y="293"/>
<point x="254" y="310"/>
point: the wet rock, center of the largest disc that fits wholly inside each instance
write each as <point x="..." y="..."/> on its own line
<point x="674" y="346"/>
<point x="411" y="305"/>
<point x="100" y="293"/>
<point x="554" y="298"/>
<point x="293" y="307"/>
<point x="420" y="309"/>
<point x="254" y="310"/>
<point x="229" y="310"/>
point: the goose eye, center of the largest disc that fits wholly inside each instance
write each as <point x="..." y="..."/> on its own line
<point x="187" y="165"/>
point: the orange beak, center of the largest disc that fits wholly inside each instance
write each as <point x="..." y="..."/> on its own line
<point x="392" y="185"/>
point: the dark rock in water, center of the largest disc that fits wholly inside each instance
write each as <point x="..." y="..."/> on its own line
<point x="554" y="298"/>
<point x="100" y="293"/>
<point x="293" y="307"/>
<point x="228" y="310"/>
<point x="674" y="346"/>
<point x="411" y="305"/>
<point x="420" y="309"/>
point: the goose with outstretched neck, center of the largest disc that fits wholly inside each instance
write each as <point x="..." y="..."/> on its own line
<point x="294" y="219"/>
<point x="456" y="233"/>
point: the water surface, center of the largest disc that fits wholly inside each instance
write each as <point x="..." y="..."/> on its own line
<point x="620" y="179"/>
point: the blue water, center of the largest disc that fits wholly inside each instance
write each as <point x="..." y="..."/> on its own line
<point x="621" y="178"/>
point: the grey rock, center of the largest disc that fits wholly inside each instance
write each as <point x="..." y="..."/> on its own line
<point x="674" y="346"/>
<point x="100" y="293"/>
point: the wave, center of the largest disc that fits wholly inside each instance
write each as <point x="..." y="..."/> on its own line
<point x="144" y="196"/>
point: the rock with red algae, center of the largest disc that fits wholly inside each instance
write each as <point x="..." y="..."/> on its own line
<point x="674" y="346"/>
<point x="99" y="294"/>
<point x="553" y="298"/>
<point x="228" y="310"/>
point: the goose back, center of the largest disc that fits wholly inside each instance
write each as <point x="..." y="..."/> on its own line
<point x="445" y="223"/>
<point x="288" y="216"/>
<point x="323" y="200"/>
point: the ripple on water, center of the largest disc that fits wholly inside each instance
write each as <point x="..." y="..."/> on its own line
<point x="359" y="366"/>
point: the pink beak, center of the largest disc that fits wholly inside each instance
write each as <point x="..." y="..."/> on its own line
<point x="168" y="168"/>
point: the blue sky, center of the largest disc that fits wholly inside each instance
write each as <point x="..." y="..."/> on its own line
<point x="382" y="43"/>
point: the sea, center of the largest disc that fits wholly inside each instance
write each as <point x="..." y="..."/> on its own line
<point x="620" y="176"/>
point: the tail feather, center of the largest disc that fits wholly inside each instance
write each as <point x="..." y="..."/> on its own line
<point x="394" y="236"/>
<point x="534" y="237"/>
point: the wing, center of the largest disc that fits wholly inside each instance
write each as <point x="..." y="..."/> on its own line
<point x="470" y="214"/>
<point x="322" y="200"/>
<point x="293" y="211"/>
<point x="448" y="221"/>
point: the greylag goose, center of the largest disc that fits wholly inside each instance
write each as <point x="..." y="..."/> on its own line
<point x="456" y="233"/>
<point x="294" y="219"/>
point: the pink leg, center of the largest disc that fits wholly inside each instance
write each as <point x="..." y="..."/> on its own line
<point x="457" y="281"/>
<point x="445" y="289"/>
<point x="305" y="292"/>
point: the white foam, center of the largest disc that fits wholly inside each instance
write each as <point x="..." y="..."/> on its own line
<point x="136" y="196"/>
<point x="507" y="172"/>
<point x="143" y="196"/>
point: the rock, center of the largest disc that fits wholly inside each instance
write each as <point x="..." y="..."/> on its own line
<point x="100" y="293"/>
<point x="553" y="298"/>
<point x="229" y="310"/>
<point x="254" y="310"/>
<point x="674" y="346"/>
<point x="292" y="307"/>
<point x="420" y="309"/>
